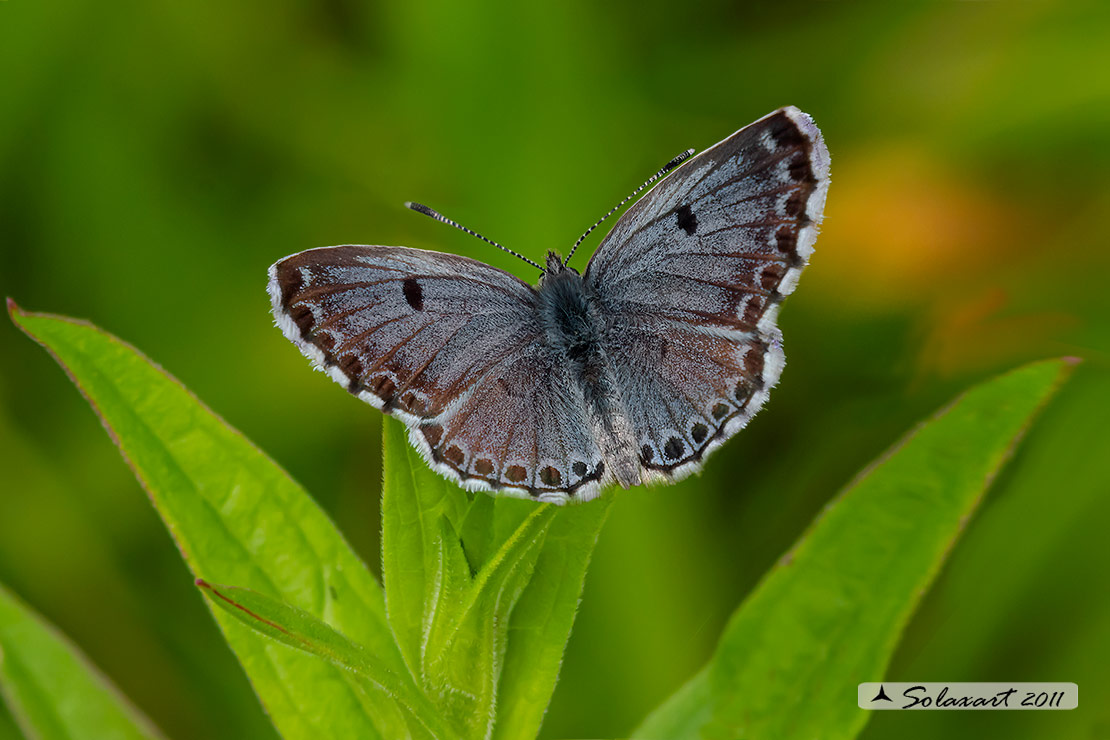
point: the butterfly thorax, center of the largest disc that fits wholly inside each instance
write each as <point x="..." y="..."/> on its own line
<point x="574" y="332"/>
<point x="572" y="329"/>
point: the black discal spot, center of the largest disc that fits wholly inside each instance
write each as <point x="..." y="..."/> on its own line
<point x="687" y="221"/>
<point x="580" y="468"/>
<point x="550" y="477"/>
<point x="720" y="411"/>
<point x="414" y="294"/>
<point x="646" y="453"/>
<point x="674" y="448"/>
<point x="698" y="432"/>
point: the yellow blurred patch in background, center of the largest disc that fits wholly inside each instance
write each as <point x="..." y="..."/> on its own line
<point x="901" y="228"/>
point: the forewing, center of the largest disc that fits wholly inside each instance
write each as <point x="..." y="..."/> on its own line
<point x="450" y="346"/>
<point x="690" y="279"/>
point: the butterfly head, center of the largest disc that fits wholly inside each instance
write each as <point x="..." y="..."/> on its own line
<point x="554" y="266"/>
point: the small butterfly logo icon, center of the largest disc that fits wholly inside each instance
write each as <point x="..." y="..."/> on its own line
<point x="632" y="371"/>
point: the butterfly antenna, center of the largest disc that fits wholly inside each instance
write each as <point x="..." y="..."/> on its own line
<point x="666" y="168"/>
<point x="421" y="208"/>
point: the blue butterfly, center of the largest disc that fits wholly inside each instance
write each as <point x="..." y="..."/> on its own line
<point x="632" y="371"/>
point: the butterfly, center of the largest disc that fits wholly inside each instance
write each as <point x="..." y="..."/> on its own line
<point x="633" y="371"/>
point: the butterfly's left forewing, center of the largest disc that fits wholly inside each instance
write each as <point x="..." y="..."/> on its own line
<point x="690" y="279"/>
<point x="450" y="346"/>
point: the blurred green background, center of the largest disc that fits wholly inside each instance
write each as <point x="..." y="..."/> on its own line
<point x="155" y="158"/>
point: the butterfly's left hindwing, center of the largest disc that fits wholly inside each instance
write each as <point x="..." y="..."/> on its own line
<point x="690" y="279"/>
<point x="450" y="346"/>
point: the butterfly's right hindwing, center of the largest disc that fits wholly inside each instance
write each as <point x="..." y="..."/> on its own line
<point x="450" y="346"/>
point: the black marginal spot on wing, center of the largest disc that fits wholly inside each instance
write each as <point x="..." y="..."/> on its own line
<point x="549" y="476"/>
<point x="646" y="453"/>
<point x="796" y="204"/>
<point x="674" y="448"/>
<point x="432" y="434"/>
<point x="786" y="241"/>
<point x="292" y="282"/>
<point x="302" y="317"/>
<point x="414" y="294"/>
<point x="699" y="432"/>
<point x="687" y="221"/>
<point x="580" y="468"/>
<point x="351" y="366"/>
<point x="788" y="136"/>
<point x="382" y="386"/>
<point x="454" y="454"/>
<point x="770" y="275"/>
<point x="800" y="170"/>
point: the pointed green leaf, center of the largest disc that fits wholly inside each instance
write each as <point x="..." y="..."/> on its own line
<point x="541" y="622"/>
<point x="53" y="690"/>
<point x="829" y="615"/>
<point x="466" y="646"/>
<point x="299" y="629"/>
<point x="414" y="499"/>
<point x="237" y="518"/>
<point x="485" y="606"/>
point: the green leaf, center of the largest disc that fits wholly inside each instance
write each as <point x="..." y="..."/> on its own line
<point x="299" y="629"/>
<point x="468" y="637"/>
<point x="480" y="591"/>
<point x="541" y="622"/>
<point x="238" y="518"/>
<point x="53" y="690"/>
<point x="828" y="616"/>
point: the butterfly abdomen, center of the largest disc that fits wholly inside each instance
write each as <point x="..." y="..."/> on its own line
<point x="572" y="330"/>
